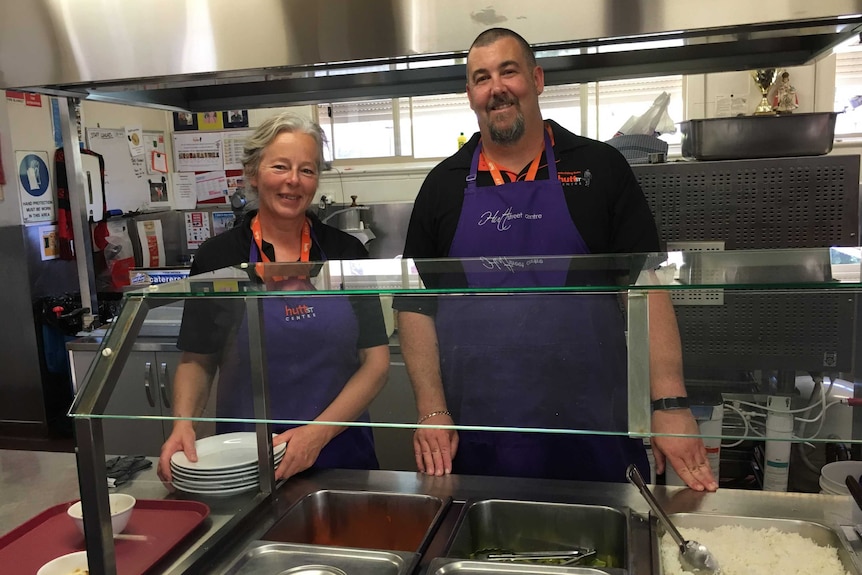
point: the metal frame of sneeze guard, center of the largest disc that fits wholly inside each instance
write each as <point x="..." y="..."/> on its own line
<point x="101" y="379"/>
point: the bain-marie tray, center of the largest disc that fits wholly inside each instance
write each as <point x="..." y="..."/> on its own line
<point x="52" y="533"/>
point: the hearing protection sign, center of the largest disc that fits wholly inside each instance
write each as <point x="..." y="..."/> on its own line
<point x="34" y="181"/>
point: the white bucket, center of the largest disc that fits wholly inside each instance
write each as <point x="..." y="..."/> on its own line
<point x="832" y="476"/>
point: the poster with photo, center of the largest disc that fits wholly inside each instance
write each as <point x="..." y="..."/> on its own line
<point x="222" y="221"/>
<point x="235" y="119"/>
<point x="210" y="121"/>
<point x="159" y="197"/>
<point x="48" y="245"/>
<point x="185" y="121"/>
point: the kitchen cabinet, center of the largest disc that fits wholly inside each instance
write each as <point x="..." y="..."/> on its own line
<point x="395" y="404"/>
<point x="143" y="393"/>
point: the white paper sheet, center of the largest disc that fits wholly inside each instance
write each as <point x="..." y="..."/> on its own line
<point x="211" y="186"/>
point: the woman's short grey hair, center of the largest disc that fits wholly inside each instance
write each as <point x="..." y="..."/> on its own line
<point x="266" y="133"/>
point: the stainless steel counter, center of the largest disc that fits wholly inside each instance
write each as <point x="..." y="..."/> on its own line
<point x="33" y="481"/>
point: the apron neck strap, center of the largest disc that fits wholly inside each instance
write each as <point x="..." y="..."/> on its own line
<point x="531" y="172"/>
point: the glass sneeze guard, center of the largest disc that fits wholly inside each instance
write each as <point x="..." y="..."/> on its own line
<point x="751" y="324"/>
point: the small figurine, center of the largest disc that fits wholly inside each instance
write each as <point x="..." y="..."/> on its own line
<point x="785" y="100"/>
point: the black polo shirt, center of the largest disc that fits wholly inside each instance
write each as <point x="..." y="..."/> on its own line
<point x="207" y="322"/>
<point x="603" y="196"/>
<point x="604" y="199"/>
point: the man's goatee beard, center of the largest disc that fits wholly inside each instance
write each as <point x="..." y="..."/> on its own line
<point x="510" y="135"/>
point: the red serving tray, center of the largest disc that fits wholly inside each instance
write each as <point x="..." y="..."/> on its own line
<point x="53" y="533"/>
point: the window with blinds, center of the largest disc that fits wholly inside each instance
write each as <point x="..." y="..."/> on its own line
<point x="428" y="126"/>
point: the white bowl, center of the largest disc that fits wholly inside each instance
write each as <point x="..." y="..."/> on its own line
<point x="121" y="511"/>
<point x="65" y="564"/>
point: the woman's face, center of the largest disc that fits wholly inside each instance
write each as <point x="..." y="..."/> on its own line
<point x="287" y="176"/>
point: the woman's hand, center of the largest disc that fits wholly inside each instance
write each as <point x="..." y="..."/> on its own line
<point x="304" y="444"/>
<point x="182" y="438"/>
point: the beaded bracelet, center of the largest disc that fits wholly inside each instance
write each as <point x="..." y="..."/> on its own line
<point x="432" y="414"/>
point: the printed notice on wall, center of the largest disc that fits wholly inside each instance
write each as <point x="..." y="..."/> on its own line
<point x="728" y="105"/>
<point x="152" y="243"/>
<point x="197" y="229"/>
<point x="211" y="187"/>
<point x="197" y="152"/>
<point x="233" y="144"/>
<point x="185" y="195"/>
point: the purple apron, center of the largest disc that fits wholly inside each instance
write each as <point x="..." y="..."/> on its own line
<point x="549" y="360"/>
<point x="311" y="353"/>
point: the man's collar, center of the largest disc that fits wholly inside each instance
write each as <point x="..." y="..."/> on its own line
<point x="563" y="139"/>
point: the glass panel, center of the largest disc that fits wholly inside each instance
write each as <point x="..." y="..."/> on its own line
<point x="537" y="344"/>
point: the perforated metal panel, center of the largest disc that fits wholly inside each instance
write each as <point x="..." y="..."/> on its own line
<point x="762" y="204"/>
<point x="752" y="204"/>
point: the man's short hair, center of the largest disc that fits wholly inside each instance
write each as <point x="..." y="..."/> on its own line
<point x="491" y="35"/>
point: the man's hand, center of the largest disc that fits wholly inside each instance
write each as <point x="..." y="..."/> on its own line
<point x="435" y="448"/>
<point x="687" y="455"/>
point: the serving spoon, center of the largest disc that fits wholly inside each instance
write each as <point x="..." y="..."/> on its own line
<point x="694" y="556"/>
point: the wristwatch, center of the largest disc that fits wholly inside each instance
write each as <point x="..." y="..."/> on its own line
<point x="668" y="403"/>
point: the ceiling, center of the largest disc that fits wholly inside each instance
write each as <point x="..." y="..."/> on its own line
<point x="201" y="55"/>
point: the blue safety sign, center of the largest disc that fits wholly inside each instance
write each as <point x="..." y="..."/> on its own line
<point x="33" y="172"/>
<point x="34" y="181"/>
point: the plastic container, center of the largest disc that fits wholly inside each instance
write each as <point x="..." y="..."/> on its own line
<point x="746" y="137"/>
<point x="832" y="476"/>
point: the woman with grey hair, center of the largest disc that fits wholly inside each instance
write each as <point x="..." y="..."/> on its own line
<point x="326" y="358"/>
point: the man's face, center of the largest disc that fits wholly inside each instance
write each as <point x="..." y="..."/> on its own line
<point x="503" y="90"/>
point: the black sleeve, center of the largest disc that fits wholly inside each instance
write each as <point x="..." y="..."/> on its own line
<point x="338" y="245"/>
<point x="372" y="327"/>
<point x="208" y="321"/>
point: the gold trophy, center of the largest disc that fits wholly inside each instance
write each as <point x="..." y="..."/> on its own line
<point x="764" y="79"/>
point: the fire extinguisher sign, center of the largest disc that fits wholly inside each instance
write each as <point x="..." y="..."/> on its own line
<point x="34" y="182"/>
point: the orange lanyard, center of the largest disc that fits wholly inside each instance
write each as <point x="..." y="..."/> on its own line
<point x="498" y="177"/>
<point x="304" y="245"/>
<point x="304" y="251"/>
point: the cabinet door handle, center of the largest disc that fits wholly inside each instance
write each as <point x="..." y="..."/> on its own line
<point x="163" y="387"/>
<point x="148" y="375"/>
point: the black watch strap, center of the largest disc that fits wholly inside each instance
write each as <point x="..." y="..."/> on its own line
<point x="667" y="403"/>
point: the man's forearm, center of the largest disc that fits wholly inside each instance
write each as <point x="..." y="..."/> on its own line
<point x="419" y="346"/>
<point x="666" y="377"/>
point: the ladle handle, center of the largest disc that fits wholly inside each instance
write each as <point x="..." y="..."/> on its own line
<point x="635" y="477"/>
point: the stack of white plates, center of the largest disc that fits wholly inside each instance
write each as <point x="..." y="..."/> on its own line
<point x="227" y="464"/>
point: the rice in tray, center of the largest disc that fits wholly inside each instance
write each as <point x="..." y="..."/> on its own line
<point x="746" y="551"/>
